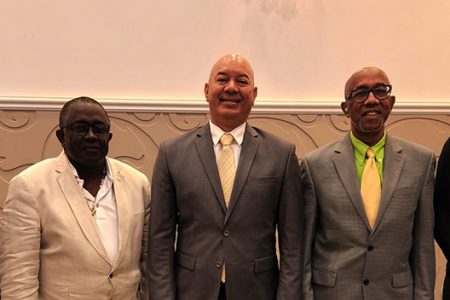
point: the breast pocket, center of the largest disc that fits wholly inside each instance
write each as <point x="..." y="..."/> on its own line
<point x="258" y="181"/>
<point x="263" y="193"/>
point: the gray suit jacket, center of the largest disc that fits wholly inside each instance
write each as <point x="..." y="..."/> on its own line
<point x="187" y="198"/>
<point x="346" y="260"/>
<point x="50" y="247"/>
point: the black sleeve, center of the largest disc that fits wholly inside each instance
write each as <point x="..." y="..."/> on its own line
<point x="442" y="201"/>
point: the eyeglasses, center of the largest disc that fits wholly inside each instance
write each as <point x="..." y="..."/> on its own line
<point x="381" y="92"/>
<point x="83" y="127"/>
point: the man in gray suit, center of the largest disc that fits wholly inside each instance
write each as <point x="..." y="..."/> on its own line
<point x="225" y="247"/>
<point x="382" y="248"/>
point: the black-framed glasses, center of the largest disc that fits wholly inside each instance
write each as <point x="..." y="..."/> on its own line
<point x="83" y="127"/>
<point x="381" y="92"/>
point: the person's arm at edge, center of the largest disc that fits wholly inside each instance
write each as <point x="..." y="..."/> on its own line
<point x="20" y="237"/>
<point x="442" y="201"/>
<point x="162" y="231"/>
<point x="290" y="232"/>
<point x="310" y="214"/>
<point x="144" y="291"/>
<point x="423" y="255"/>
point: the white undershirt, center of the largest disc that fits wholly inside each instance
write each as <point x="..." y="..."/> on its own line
<point x="106" y="215"/>
<point x="238" y="135"/>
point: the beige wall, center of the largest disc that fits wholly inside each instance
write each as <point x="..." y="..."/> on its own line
<point x="300" y="49"/>
<point x="28" y="136"/>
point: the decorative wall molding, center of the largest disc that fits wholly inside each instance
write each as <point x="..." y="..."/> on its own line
<point x="262" y="106"/>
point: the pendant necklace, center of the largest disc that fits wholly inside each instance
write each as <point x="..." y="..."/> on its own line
<point x="96" y="202"/>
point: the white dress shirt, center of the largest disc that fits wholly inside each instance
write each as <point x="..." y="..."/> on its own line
<point x="238" y="135"/>
<point x="105" y="217"/>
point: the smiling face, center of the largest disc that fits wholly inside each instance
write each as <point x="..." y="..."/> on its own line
<point x="368" y="117"/>
<point x="85" y="150"/>
<point x="230" y="92"/>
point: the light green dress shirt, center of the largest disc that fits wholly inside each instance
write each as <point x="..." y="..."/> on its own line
<point x="359" y="152"/>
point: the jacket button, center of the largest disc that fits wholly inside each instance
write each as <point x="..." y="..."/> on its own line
<point x="218" y="264"/>
<point x="366" y="282"/>
<point x="226" y="233"/>
<point x="370" y="248"/>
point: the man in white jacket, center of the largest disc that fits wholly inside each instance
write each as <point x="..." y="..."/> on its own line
<point x="75" y="226"/>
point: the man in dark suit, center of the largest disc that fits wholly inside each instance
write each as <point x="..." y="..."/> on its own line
<point x="369" y="209"/>
<point x="226" y="222"/>
<point x="442" y="210"/>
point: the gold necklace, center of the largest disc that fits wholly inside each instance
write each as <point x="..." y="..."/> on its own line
<point x="96" y="203"/>
<point x="93" y="208"/>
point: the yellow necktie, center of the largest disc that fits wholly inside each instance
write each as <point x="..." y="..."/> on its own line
<point x="226" y="165"/>
<point x="371" y="188"/>
<point x="227" y="172"/>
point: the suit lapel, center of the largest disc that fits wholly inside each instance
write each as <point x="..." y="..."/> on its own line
<point x="123" y="214"/>
<point x="249" y="148"/>
<point x="344" y="163"/>
<point x="392" y="167"/>
<point x="77" y="203"/>
<point x="205" y="151"/>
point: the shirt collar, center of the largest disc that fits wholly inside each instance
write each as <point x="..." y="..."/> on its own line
<point x="237" y="133"/>
<point x="360" y="149"/>
<point x="108" y="177"/>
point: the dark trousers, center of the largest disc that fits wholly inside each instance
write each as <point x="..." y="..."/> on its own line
<point x="222" y="293"/>
<point x="446" y="291"/>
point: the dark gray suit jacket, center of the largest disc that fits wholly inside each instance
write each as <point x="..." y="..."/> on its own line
<point x="344" y="258"/>
<point x="187" y="199"/>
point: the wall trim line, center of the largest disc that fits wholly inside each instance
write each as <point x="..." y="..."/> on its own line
<point x="262" y="106"/>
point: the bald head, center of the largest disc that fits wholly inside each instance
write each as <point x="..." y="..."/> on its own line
<point x="230" y="91"/>
<point x="353" y="81"/>
<point x="233" y="59"/>
<point x="368" y="103"/>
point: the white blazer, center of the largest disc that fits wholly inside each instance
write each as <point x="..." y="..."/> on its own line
<point x="49" y="244"/>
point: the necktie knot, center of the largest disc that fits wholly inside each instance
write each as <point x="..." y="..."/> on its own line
<point x="226" y="139"/>
<point x="370" y="153"/>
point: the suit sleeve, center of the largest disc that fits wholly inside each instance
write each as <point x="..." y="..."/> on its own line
<point x="310" y="214"/>
<point x="20" y="235"/>
<point x="422" y="254"/>
<point x="144" y="291"/>
<point x="442" y="201"/>
<point x="162" y="231"/>
<point x="290" y="232"/>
